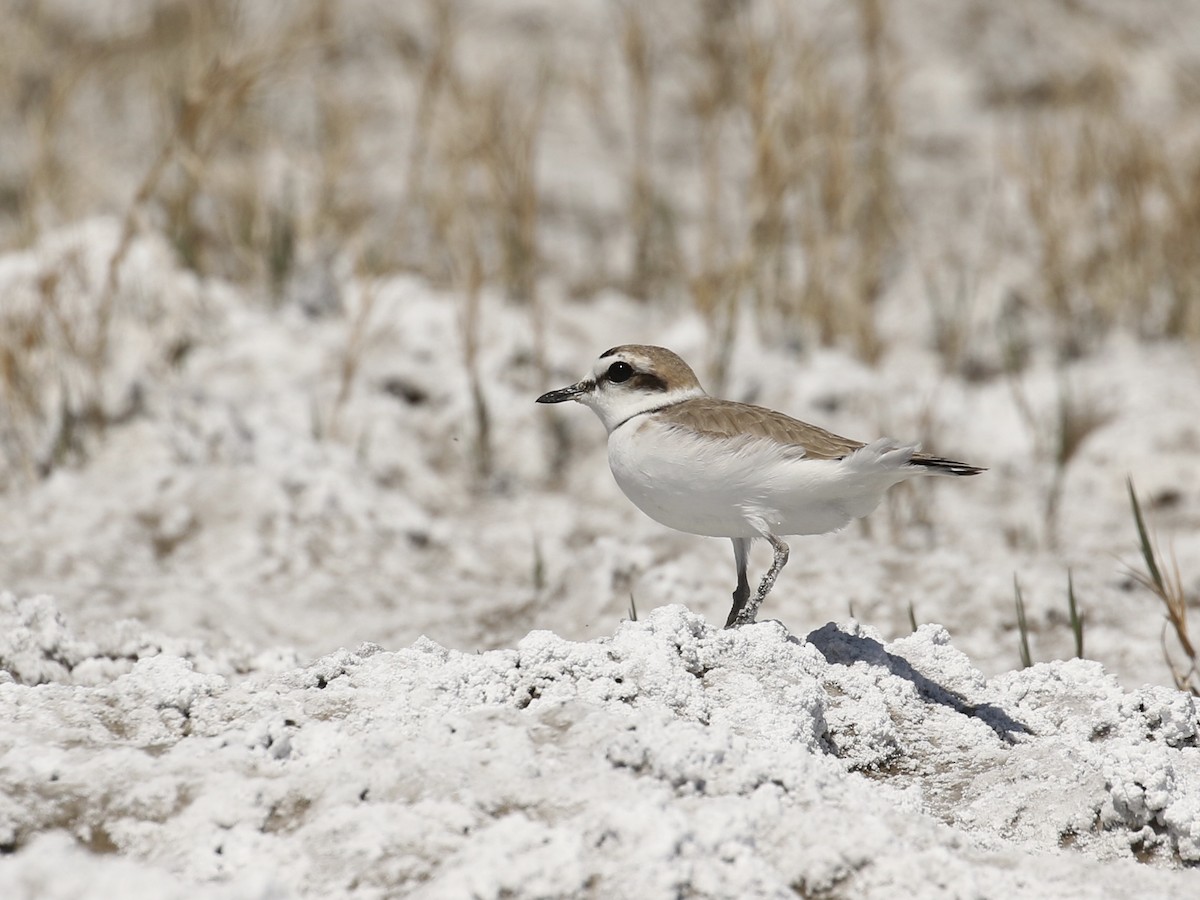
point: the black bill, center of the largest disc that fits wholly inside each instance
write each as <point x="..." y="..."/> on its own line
<point x="567" y="393"/>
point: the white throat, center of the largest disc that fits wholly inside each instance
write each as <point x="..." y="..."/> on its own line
<point x="615" y="408"/>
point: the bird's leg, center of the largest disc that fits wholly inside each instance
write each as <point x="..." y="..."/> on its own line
<point x="747" y="613"/>
<point x="741" y="553"/>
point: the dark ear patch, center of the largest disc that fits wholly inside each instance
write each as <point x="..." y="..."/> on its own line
<point x="647" y="381"/>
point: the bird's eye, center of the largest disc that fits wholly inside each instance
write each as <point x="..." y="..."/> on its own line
<point x="620" y="371"/>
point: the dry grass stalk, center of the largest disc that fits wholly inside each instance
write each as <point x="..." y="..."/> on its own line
<point x="951" y="276"/>
<point x="717" y="277"/>
<point x="207" y="93"/>
<point x="1074" y="422"/>
<point x="796" y="150"/>
<point x="877" y="218"/>
<point x="459" y="238"/>
<point x="1058" y="439"/>
<point x="437" y="70"/>
<point x="819" y="193"/>
<point x="510" y="161"/>
<point x="1167" y="584"/>
<point x="655" y="258"/>
<point x="950" y="291"/>
<point x="352" y="356"/>
<point x="463" y="259"/>
<point x="193" y="61"/>
<point x="1115" y="213"/>
<point x="472" y="290"/>
<point x="473" y="172"/>
<point x="1180" y="259"/>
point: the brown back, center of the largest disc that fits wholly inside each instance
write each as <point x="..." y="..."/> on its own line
<point x="725" y="418"/>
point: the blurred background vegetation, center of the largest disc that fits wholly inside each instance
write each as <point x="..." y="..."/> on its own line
<point x="1001" y="185"/>
<point x="1005" y="166"/>
<point x="995" y="182"/>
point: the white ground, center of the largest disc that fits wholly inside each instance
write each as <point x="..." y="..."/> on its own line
<point x="668" y="758"/>
<point x="180" y="715"/>
<point x="182" y="751"/>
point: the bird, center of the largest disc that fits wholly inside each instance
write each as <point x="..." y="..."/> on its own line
<point x="720" y="468"/>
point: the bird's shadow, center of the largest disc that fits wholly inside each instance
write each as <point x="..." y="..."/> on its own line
<point x="841" y="648"/>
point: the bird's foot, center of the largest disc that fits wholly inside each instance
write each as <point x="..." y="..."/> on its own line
<point x="739" y="605"/>
<point x="748" y="612"/>
<point x="745" y="615"/>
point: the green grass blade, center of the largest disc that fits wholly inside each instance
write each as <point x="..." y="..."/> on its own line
<point x="1144" y="536"/>
<point x="1076" y="617"/>
<point x="1022" y="625"/>
<point x="539" y="567"/>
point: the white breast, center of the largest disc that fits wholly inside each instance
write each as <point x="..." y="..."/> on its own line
<point x="738" y="488"/>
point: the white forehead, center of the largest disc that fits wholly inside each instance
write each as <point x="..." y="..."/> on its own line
<point x="621" y="354"/>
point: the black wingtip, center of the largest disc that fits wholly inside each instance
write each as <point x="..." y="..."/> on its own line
<point x="947" y="466"/>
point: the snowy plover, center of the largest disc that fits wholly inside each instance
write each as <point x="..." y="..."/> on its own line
<point x="724" y="469"/>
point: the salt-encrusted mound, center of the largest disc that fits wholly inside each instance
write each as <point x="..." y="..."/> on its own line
<point x="37" y="646"/>
<point x="669" y="759"/>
